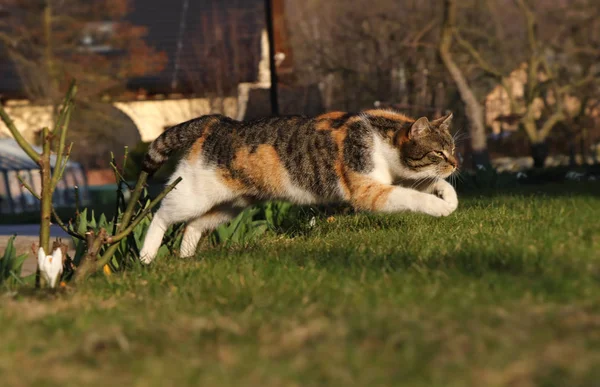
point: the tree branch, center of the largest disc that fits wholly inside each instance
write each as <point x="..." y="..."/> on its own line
<point x="473" y="106"/>
<point x="62" y="124"/>
<point x="590" y="78"/>
<point x="18" y="137"/>
<point x="57" y="218"/>
<point x="485" y="65"/>
<point x="532" y="82"/>
<point x="550" y="123"/>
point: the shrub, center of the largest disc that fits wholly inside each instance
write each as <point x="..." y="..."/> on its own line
<point x="11" y="265"/>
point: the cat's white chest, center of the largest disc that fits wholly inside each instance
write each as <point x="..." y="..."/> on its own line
<point x="384" y="156"/>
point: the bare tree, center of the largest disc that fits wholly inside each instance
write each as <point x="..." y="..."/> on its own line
<point x="474" y="108"/>
<point x="557" y="64"/>
<point x="384" y="52"/>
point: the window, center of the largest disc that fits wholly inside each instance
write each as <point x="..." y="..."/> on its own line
<point x="96" y="37"/>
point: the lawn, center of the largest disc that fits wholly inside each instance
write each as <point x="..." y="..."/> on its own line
<point x="506" y="291"/>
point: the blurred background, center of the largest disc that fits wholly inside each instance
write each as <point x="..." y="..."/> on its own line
<point x="521" y="76"/>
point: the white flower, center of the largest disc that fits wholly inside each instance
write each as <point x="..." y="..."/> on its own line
<point x="312" y="222"/>
<point x="481" y="167"/>
<point x="51" y="266"/>
<point x="521" y="175"/>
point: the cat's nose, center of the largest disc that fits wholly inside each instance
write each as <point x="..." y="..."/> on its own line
<point x="453" y="161"/>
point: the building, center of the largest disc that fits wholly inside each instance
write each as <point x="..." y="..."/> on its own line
<point x="217" y="63"/>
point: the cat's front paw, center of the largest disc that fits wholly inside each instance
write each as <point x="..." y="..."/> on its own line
<point x="435" y="206"/>
<point x="146" y="259"/>
<point x="447" y="193"/>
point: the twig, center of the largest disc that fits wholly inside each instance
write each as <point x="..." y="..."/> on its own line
<point x="109" y="253"/>
<point x="135" y="195"/>
<point x="63" y="124"/>
<point x="76" y="191"/>
<point x="485" y="65"/>
<point x="57" y="218"/>
<point x="65" y="162"/>
<point x="143" y="214"/>
<point x="88" y="263"/>
<point x="119" y="193"/>
<point x="119" y="176"/>
<point x="125" y="158"/>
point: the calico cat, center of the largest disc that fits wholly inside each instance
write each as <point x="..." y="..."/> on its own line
<point x="334" y="157"/>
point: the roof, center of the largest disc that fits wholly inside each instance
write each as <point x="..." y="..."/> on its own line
<point x="204" y="30"/>
<point x="13" y="158"/>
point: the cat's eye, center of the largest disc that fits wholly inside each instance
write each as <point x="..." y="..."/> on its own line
<point x="441" y="154"/>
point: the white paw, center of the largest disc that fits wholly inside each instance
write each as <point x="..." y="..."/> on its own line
<point x="435" y="206"/>
<point x="447" y="194"/>
<point x="146" y="258"/>
<point x="187" y="255"/>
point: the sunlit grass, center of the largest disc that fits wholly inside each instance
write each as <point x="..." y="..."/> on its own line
<point x="506" y="291"/>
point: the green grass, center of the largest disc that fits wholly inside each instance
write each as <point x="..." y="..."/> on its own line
<point x="506" y="291"/>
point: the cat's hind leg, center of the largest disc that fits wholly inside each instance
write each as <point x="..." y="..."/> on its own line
<point x="201" y="199"/>
<point x="180" y="205"/>
<point x="205" y="223"/>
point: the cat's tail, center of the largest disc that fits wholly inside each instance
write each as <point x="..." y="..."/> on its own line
<point x="178" y="137"/>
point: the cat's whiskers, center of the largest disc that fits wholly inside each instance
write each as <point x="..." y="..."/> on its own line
<point x="417" y="182"/>
<point x="459" y="136"/>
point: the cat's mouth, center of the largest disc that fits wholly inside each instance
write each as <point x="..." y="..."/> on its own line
<point x="448" y="171"/>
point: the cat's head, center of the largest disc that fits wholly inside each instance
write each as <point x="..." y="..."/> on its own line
<point x="427" y="148"/>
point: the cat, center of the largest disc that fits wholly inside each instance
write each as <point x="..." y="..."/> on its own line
<point x="335" y="157"/>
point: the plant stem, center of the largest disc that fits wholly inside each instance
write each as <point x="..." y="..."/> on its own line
<point x="135" y="195"/>
<point x="55" y="215"/>
<point x="88" y="263"/>
<point x="46" y="203"/>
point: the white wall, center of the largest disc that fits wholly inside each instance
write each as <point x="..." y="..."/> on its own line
<point x="150" y="116"/>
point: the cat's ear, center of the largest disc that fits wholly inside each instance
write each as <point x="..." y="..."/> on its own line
<point x="443" y="121"/>
<point x="419" y="128"/>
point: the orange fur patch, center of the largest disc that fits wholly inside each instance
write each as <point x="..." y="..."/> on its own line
<point x="233" y="184"/>
<point x="402" y="137"/>
<point x="196" y="149"/>
<point x="331" y="116"/>
<point x="366" y="193"/>
<point x="389" y="114"/>
<point x="263" y="167"/>
<point x="339" y="136"/>
<point x="323" y="125"/>
<point x="324" y="120"/>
